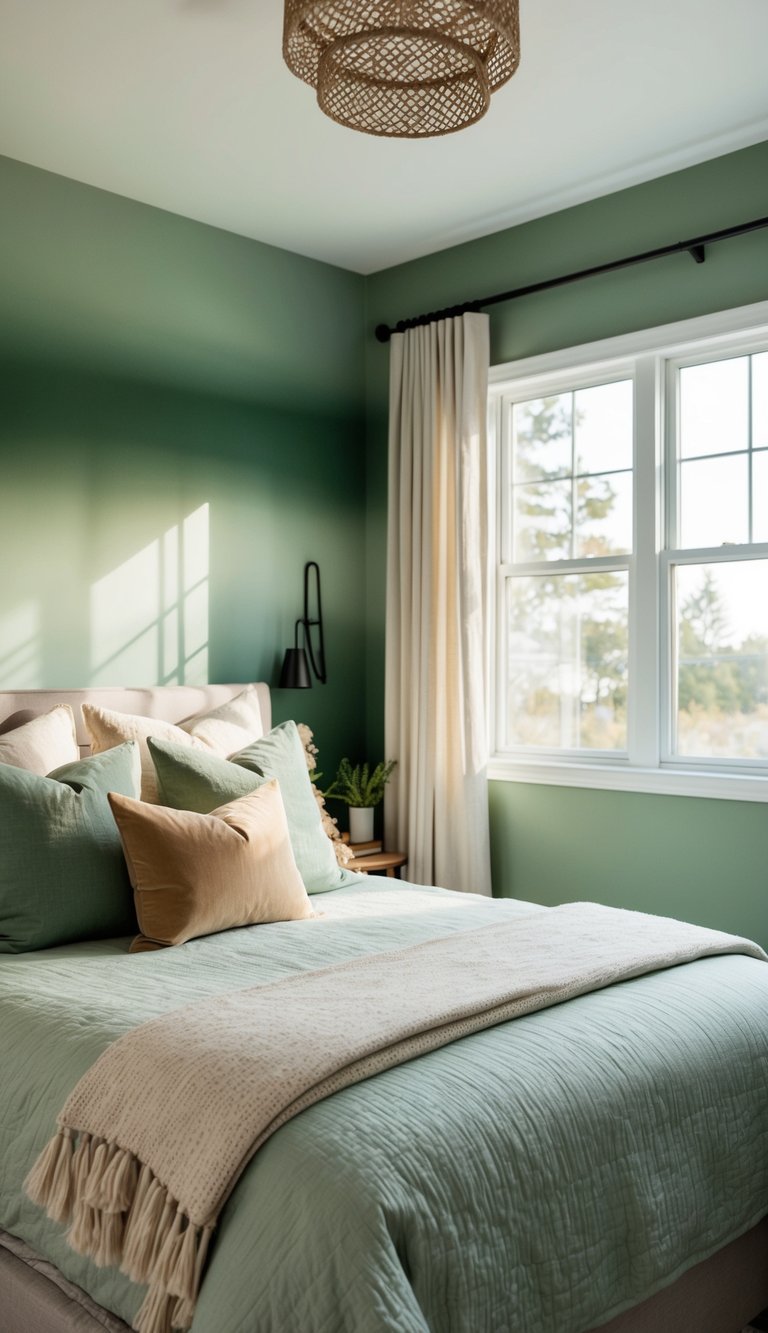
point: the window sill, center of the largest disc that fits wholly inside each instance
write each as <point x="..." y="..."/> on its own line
<point x="612" y="777"/>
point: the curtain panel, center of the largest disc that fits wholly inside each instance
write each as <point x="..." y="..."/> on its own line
<point x="437" y="594"/>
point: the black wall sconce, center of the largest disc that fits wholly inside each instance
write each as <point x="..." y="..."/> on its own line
<point x="295" y="673"/>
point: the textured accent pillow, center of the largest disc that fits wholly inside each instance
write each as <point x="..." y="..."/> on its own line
<point x="280" y="754"/>
<point x="195" y="874"/>
<point x="62" y="870"/>
<point x="231" y="726"/>
<point x="42" y="744"/>
<point x="107" y="728"/>
<point x="201" y="781"/>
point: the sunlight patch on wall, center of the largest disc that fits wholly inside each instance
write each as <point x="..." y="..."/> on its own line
<point x="196" y="578"/>
<point x="20" y="657"/>
<point x="149" y="616"/>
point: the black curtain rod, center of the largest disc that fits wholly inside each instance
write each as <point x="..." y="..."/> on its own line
<point x="694" y="247"/>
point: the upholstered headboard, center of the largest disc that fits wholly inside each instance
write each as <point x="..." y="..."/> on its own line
<point x="170" y="703"/>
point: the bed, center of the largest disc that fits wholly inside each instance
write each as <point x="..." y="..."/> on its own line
<point x="602" y="1164"/>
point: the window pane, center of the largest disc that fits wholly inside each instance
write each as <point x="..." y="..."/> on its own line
<point x="722" y="659"/>
<point x="714" y="501"/>
<point x="604" y="514"/>
<point x="760" y="497"/>
<point x="603" y="427"/>
<point x="567" y="661"/>
<point x="542" y="521"/>
<point x="543" y="490"/>
<point x="760" y="401"/>
<point x="714" y="407"/>
<point x="542" y="438"/>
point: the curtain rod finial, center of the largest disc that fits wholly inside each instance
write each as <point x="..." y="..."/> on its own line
<point x="383" y="334"/>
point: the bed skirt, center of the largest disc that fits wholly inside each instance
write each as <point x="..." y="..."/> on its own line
<point x="719" y="1295"/>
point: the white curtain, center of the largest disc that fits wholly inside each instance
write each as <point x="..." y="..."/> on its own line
<point x="436" y="656"/>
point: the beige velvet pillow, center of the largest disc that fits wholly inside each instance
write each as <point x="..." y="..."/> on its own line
<point x="107" y="729"/>
<point x="196" y="874"/>
<point x="231" y="726"/>
<point x="43" y="744"/>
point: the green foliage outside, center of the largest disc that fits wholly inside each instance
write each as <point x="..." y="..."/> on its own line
<point x="722" y="688"/>
<point x="577" y="618"/>
<point x="568" y="644"/>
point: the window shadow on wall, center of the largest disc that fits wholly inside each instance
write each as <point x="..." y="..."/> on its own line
<point x="149" y="615"/>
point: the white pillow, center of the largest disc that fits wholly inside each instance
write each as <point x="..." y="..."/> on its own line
<point x="45" y="743"/>
<point x="231" y="726"/>
<point x="107" y="729"/>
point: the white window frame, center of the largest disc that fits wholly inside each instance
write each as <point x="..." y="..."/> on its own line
<point x="651" y="357"/>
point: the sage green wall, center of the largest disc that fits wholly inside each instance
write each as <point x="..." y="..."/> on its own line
<point x="180" y="429"/>
<point x="151" y="367"/>
<point x="702" y="859"/>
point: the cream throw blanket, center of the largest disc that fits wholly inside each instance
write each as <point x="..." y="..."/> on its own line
<point x="154" y="1137"/>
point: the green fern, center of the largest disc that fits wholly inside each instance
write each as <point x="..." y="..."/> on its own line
<point x="359" y="786"/>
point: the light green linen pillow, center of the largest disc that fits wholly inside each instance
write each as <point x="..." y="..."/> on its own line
<point x="195" y="780"/>
<point x="280" y="754"/>
<point x="62" y="872"/>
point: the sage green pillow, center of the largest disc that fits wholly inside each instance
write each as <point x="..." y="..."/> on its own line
<point x="63" y="875"/>
<point x="195" y="780"/>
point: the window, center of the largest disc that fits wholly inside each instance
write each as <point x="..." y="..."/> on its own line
<point x="631" y="609"/>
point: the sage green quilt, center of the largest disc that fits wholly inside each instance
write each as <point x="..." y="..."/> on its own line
<point x="540" y="1175"/>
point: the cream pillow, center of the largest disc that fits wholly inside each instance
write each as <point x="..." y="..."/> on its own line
<point x="196" y="874"/>
<point x="44" y="743"/>
<point x="107" y="729"/>
<point x="231" y="726"/>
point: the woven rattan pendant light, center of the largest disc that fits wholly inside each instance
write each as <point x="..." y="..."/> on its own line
<point x="403" y="68"/>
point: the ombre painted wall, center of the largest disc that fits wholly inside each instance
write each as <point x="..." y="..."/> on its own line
<point x="702" y="859"/>
<point x="181" y="428"/>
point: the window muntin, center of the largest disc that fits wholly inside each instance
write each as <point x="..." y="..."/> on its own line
<point x="718" y="608"/>
<point x="648" y="729"/>
<point x="572" y="474"/>
<point x="565" y="604"/>
<point x="723" y="420"/>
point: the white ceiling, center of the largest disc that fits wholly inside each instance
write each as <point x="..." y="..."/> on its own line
<point x="186" y="104"/>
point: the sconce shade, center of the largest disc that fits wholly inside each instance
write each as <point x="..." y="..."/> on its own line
<point x="295" y="672"/>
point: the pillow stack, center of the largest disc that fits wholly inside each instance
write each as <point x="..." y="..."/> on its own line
<point x="187" y="829"/>
<point x="222" y="730"/>
<point x="190" y="876"/>
<point x="196" y="780"/>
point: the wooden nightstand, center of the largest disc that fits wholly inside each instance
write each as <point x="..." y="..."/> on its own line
<point x="379" y="863"/>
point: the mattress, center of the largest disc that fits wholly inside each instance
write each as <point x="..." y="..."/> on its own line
<point x="547" y="1173"/>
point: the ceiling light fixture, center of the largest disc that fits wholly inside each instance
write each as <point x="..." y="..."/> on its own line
<point x="407" y="69"/>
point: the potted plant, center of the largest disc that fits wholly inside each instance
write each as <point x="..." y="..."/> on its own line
<point x="361" y="788"/>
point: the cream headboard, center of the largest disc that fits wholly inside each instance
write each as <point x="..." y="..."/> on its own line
<point x="170" y="703"/>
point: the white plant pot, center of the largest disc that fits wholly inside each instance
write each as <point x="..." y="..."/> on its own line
<point x="361" y="823"/>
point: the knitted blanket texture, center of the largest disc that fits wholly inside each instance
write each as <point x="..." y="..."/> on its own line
<point x="154" y="1137"/>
